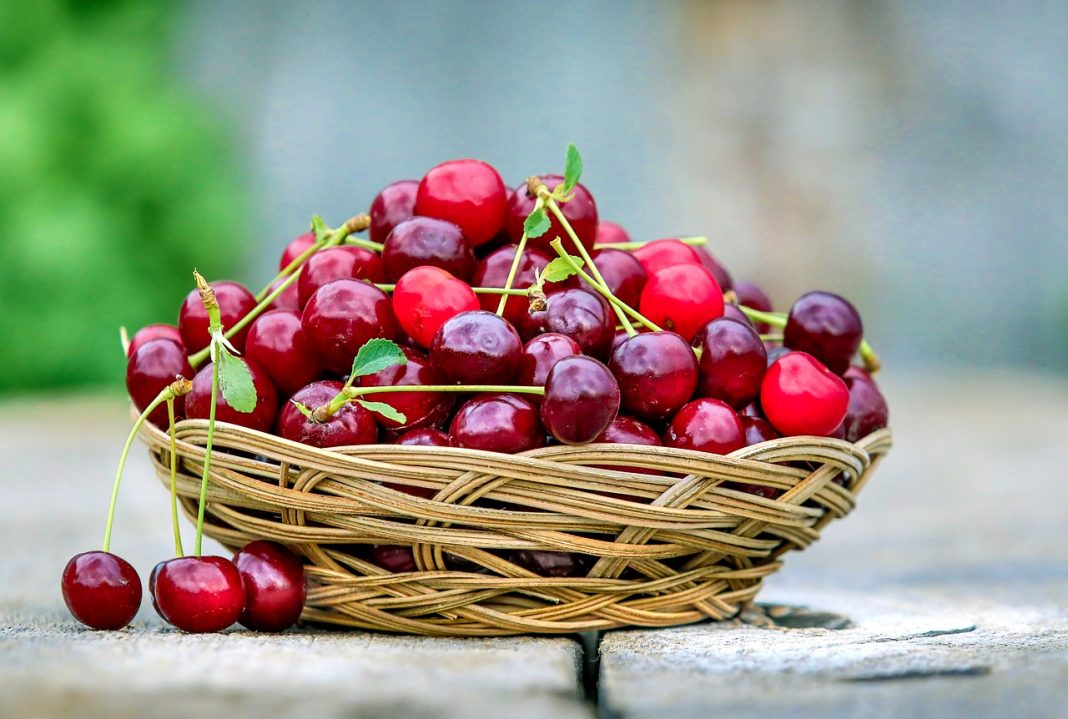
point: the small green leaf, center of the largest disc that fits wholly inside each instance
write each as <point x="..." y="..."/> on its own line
<point x="537" y="223"/>
<point x="560" y="269"/>
<point x="320" y="228"/>
<point x="383" y="409"/>
<point x="235" y="382"/>
<point x="376" y="355"/>
<point x="572" y="168"/>
<point x="302" y="408"/>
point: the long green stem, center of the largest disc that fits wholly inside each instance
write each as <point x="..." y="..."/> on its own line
<point x="178" y="550"/>
<point x="366" y="244"/>
<point x="289" y="269"/>
<point x="515" y="265"/>
<point x="347" y="394"/>
<point x="476" y="290"/>
<point x="207" y="458"/>
<point x="692" y="241"/>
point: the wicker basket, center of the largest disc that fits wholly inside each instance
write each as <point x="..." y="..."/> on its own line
<point x="670" y="551"/>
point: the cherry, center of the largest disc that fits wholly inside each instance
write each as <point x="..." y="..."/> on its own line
<point x="351" y="424"/>
<point x="342" y="316"/>
<point x="757" y="430"/>
<point x="656" y="372"/>
<point x="295" y="249"/>
<point x="153" y="332"/>
<point x="150" y="368"/>
<point x="755" y="298"/>
<point x="392" y="206"/>
<point x="289" y="299"/>
<point x="775" y="352"/>
<point x="497" y="423"/>
<point x="553" y="564"/>
<point x="707" y="425"/>
<point x="335" y="263"/>
<point x="276" y="342"/>
<point x="626" y="430"/>
<point x="826" y="326"/>
<point x="682" y="298"/>
<point x="101" y="589"/>
<point x="493" y="271"/>
<point x="581" y="398"/>
<point x="541" y="353"/>
<point x="200" y="594"/>
<point x="477" y="347"/>
<point x="580" y="211"/>
<point x="658" y="254"/>
<point x="581" y="315"/>
<point x="623" y="274"/>
<point x="731" y="312"/>
<point x="610" y="233"/>
<point x="234" y="303"/>
<point x="393" y="558"/>
<point x="424" y="437"/>
<point x="425" y="241"/>
<point x="469" y="193"/>
<point x="867" y="410"/>
<point x="800" y="396"/>
<point x="152" y="587"/>
<point x="713" y="265"/>
<point x="198" y="402"/>
<point x="733" y="361"/>
<point x="425" y="297"/>
<point x="420" y="409"/>
<point x="275" y="586"/>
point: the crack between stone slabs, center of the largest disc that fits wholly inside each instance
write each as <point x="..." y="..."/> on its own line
<point x="977" y="670"/>
<point x="924" y="635"/>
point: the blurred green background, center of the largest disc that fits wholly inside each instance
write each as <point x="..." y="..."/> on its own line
<point x="911" y="156"/>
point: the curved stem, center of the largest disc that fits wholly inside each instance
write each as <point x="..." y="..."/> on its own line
<point x="178" y="550"/>
<point x="207" y="458"/>
<point x="622" y="309"/>
<point x="692" y="241"/>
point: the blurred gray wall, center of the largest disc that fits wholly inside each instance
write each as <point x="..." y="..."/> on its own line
<point x="909" y="155"/>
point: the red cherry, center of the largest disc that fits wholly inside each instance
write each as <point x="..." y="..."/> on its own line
<point x="423" y="437"/>
<point x="627" y="430"/>
<point x="623" y="274"/>
<point x="554" y="564"/>
<point x="350" y="425"/>
<point x="493" y="271"/>
<point x="200" y="594"/>
<point x="102" y="590"/>
<point x="580" y="211"/>
<point x="342" y="316"/>
<point x="800" y="396"/>
<point x="295" y="249"/>
<point x="234" y="303"/>
<point x="393" y="558"/>
<point x="426" y="297"/>
<point x="420" y="409"/>
<point x="497" y="423"/>
<point x="336" y="263"/>
<point x="733" y="360"/>
<point x="658" y="254"/>
<point x="275" y="586"/>
<point x="610" y="233"/>
<point x="713" y="265"/>
<point x="153" y="332"/>
<point x="682" y="298"/>
<point x="392" y="206"/>
<point x="541" y="353"/>
<point x="477" y="347"/>
<point x="867" y="409"/>
<point x="288" y="300"/>
<point x="827" y="326"/>
<point x="583" y="316"/>
<point x="198" y="402"/>
<point x="581" y="398"/>
<point x="426" y="241"/>
<point x="707" y="425"/>
<point x="153" y="366"/>
<point x="276" y="342"/>
<point x="754" y="298"/>
<point x="657" y="374"/>
<point x="757" y="430"/>
<point x="469" y="193"/>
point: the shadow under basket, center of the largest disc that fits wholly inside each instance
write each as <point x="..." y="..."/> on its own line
<point x="667" y="536"/>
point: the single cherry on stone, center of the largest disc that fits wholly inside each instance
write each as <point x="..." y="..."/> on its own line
<point x="235" y="301"/>
<point x="469" y="193"/>
<point x="656" y="372"/>
<point x="477" y="347"/>
<point x="392" y="206"/>
<point x="541" y="353"/>
<point x="336" y="263"/>
<point x="497" y="423"/>
<point x="200" y="594"/>
<point x="682" y="298"/>
<point x="427" y="241"/>
<point x="151" y="368"/>
<point x="733" y="361"/>
<point x="342" y="316"/>
<point x="276" y="342"/>
<point x="706" y="425"/>
<point x="275" y="586"/>
<point x="425" y="297"/>
<point x="101" y="589"/>
<point x="350" y="425"/>
<point x="580" y="211"/>
<point x="581" y="398"/>
<point x="198" y="401"/>
<point x="800" y="396"/>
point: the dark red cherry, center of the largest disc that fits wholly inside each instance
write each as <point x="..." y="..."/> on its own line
<point x="276" y="342"/>
<point x="151" y="368"/>
<point x="581" y="315"/>
<point x="352" y="424"/>
<point x="428" y="242"/>
<point x="234" y="303"/>
<point x="682" y="298"/>
<point x="611" y="233"/>
<point x="497" y="423"/>
<point x="469" y="193"/>
<point x="336" y="263"/>
<point x="623" y="274"/>
<point x="275" y="586"/>
<point x="757" y="430"/>
<point x="200" y="594"/>
<point x="656" y="372"/>
<point x="392" y="206"/>
<point x="420" y="409"/>
<point x="295" y="249"/>
<point x="554" y="564"/>
<point x="393" y="558"/>
<point x="541" y="353"/>
<point x="733" y="361"/>
<point x="493" y="271"/>
<point x="707" y="425"/>
<point x="152" y="587"/>
<point x="867" y="410"/>
<point x="580" y="211"/>
<point x="102" y="590"/>
<point x="342" y="316"/>
<point x="424" y="437"/>
<point x="713" y="265"/>
<point x="288" y="300"/>
<point x="153" y="332"/>
<point x="800" y="396"/>
<point x="581" y="398"/>
<point x="753" y="297"/>
<point x="627" y="430"/>
<point x="426" y="297"/>
<point x="477" y="348"/>
<point x="731" y="312"/>
<point x="826" y="326"/>
<point x="198" y="402"/>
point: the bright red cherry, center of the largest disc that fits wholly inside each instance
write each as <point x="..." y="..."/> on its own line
<point x="610" y="233"/>
<point x="580" y="211"/>
<point x="276" y="342"/>
<point x="198" y="402"/>
<point x="713" y="265"/>
<point x="426" y="297"/>
<point x="350" y="425"/>
<point x="102" y="590"/>
<point x="295" y="249"/>
<point x="392" y="206"/>
<point x="275" y="586"/>
<point x="469" y="193"/>
<point x="493" y="271"/>
<point x="733" y="360"/>
<point x="234" y="303"/>
<point x="477" y="347"/>
<point x="541" y="353"/>
<point x="707" y="425"/>
<point x="800" y="396"/>
<point x="153" y="366"/>
<point x="428" y="241"/>
<point x="682" y="298"/>
<point x="420" y="409"/>
<point x="583" y="316"/>
<point x="153" y="332"/>
<point x="342" y="316"/>
<point x="336" y="263"/>
<point x="826" y="326"/>
<point x="656" y="372"/>
<point x="753" y="297"/>
<point x="867" y="409"/>
<point x="200" y="594"/>
<point x="497" y="423"/>
<point x="581" y="398"/>
<point x="623" y="274"/>
<point x="658" y="254"/>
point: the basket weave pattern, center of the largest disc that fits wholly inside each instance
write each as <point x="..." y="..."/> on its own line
<point x="671" y="548"/>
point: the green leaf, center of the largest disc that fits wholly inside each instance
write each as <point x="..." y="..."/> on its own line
<point x="376" y="355"/>
<point x="572" y="168"/>
<point x="302" y="408"/>
<point x="537" y="223"/>
<point x="320" y="228"/>
<point x="235" y="382"/>
<point x="383" y="409"/>
<point x="560" y="269"/>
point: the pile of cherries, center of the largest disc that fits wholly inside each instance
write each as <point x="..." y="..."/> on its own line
<point x="509" y="338"/>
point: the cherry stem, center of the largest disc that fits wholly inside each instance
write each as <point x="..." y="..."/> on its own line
<point x="515" y="265"/>
<point x="349" y="394"/>
<point x="366" y="244"/>
<point x="692" y="241"/>
<point x="476" y="290"/>
<point x="778" y="319"/>
<point x="207" y="458"/>
<point x="178" y="550"/>
<point x="771" y="338"/>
